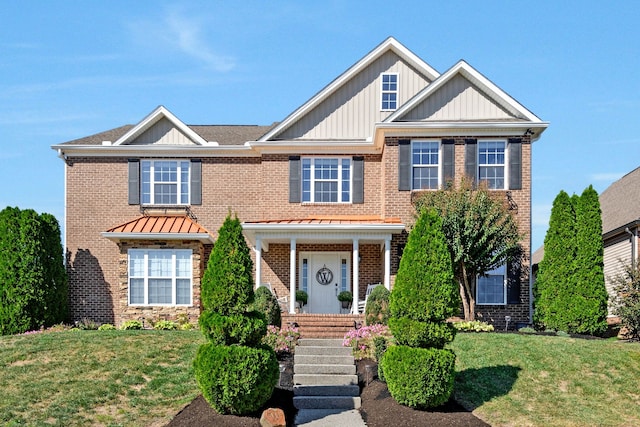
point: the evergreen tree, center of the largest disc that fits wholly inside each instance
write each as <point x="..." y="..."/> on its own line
<point x="419" y="371"/>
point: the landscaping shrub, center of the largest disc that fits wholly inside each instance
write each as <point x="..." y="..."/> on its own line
<point x="267" y="303"/>
<point x="106" y="327"/>
<point x="131" y="324"/>
<point x="377" y="308"/>
<point x="473" y="326"/>
<point x="419" y="377"/>
<point x="165" y="325"/>
<point x="415" y="333"/>
<point x="626" y="301"/>
<point x="282" y="341"/>
<point x="362" y="340"/>
<point x="87" y="324"/>
<point x="236" y="379"/>
<point x="243" y="329"/>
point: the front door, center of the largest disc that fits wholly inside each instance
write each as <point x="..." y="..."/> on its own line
<point x="325" y="281"/>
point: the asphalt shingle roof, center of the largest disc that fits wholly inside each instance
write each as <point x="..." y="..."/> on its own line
<point x="620" y="203"/>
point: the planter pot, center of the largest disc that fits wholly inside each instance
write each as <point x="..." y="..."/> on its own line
<point x="345" y="304"/>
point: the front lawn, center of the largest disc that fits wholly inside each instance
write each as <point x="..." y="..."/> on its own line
<point x="143" y="378"/>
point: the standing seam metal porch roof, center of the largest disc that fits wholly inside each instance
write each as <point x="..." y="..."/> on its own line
<point x="170" y="227"/>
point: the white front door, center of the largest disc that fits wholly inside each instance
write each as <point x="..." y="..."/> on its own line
<point x="324" y="278"/>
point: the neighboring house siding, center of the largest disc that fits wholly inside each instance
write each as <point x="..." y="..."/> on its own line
<point x="617" y="254"/>
<point x="352" y="111"/>
<point x="459" y="99"/>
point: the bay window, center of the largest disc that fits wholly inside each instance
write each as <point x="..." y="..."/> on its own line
<point x="160" y="277"/>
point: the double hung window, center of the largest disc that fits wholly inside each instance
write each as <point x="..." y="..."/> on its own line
<point x="492" y="287"/>
<point x="326" y="180"/>
<point x="160" y="277"/>
<point x="389" y="93"/>
<point x="425" y="157"/>
<point x="165" y="182"/>
<point x="491" y="163"/>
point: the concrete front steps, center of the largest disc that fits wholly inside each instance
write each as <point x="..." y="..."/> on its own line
<point x="323" y="325"/>
<point x="324" y="376"/>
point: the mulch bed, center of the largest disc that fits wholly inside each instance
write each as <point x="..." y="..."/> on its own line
<point x="378" y="408"/>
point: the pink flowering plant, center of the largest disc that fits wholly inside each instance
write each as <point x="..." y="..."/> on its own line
<point x="362" y="340"/>
<point x="283" y="341"/>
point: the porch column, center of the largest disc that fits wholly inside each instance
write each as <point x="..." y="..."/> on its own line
<point x="258" y="262"/>
<point x="292" y="276"/>
<point x="356" y="279"/>
<point x="387" y="263"/>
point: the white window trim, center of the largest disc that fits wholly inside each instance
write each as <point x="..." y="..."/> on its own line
<point x="152" y="182"/>
<point x="439" y="164"/>
<point x="313" y="180"/>
<point x="382" y="91"/>
<point x="503" y="271"/>
<point x="505" y="165"/>
<point x="146" y="278"/>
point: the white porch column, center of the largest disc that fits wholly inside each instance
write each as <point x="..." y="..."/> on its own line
<point x="292" y="276"/>
<point x="258" y="262"/>
<point x="356" y="278"/>
<point x="387" y="263"/>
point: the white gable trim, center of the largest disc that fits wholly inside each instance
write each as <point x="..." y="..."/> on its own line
<point x="387" y="45"/>
<point x="471" y="74"/>
<point x="159" y="113"/>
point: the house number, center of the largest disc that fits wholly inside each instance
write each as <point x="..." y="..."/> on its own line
<point x="324" y="276"/>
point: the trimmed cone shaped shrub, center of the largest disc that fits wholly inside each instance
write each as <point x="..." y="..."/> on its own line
<point x="267" y="303"/>
<point x="415" y="333"/>
<point x="419" y="377"/>
<point x="377" y="309"/>
<point x="242" y="329"/>
<point x="236" y="379"/>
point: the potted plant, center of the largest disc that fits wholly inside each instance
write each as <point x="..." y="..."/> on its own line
<point x="345" y="297"/>
<point x="301" y="297"/>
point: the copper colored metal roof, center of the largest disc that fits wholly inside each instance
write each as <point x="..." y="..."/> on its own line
<point x="332" y="219"/>
<point x="161" y="224"/>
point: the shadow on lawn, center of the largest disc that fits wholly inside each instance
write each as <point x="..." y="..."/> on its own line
<point x="473" y="387"/>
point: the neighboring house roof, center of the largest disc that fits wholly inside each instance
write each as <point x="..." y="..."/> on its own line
<point x="620" y="202"/>
<point x="170" y="227"/>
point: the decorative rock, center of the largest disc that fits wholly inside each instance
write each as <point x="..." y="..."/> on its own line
<point x="273" y="417"/>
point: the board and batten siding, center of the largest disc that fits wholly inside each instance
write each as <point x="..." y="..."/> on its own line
<point x="352" y="111"/>
<point x="459" y="99"/>
<point x="616" y="255"/>
<point x="162" y="133"/>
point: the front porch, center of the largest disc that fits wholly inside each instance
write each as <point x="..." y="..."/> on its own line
<point x="323" y="325"/>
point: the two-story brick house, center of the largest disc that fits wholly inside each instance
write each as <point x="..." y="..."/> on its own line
<point x="325" y="195"/>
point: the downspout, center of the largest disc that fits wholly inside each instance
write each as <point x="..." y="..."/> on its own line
<point x="64" y="219"/>
<point x="530" y="236"/>
<point x="633" y="238"/>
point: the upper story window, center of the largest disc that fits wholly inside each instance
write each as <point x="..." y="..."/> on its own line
<point x="425" y="160"/>
<point x="389" y="93"/>
<point x="165" y="182"/>
<point x="326" y="180"/>
<point x="492" y="287"/>
<point x="491" y="163"/>
<point x="160" y="277"/>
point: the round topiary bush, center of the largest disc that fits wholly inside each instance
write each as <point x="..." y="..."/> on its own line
<point x="377" y="309"/>
<point x="236" y="379"/>
<point x="415" y="333"/>
<point x="419" y="377"/>
<point x="267" y="303"/>
<point x="243" y="329"/>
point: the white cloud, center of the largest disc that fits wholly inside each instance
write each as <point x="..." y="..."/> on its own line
<point x="183" y="34"/>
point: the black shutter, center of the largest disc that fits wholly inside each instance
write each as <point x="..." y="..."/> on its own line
<point x="448" y="161"/>
<point x="134" y="181"/>
<point x="404" y="165"/>
<point x="295" y="186"/>
<point x="515" y="163"/>
<point x="196" y="182"/>
<point x="471" y="159"/>
<point x="358" y="180"/>
<point x="513" y="283"/>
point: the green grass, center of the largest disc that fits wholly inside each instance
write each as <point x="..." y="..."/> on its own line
<point x="143" y="378"/>
<point x="525" y="380"/>
<point x="107" y="378"/>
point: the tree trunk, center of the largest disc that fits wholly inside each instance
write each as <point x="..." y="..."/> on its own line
<point x="466" y="294"/>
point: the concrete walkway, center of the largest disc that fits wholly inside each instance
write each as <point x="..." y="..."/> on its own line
<point x="326" y="391"/>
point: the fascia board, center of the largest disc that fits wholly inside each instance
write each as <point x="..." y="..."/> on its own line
<point x="205" y="238"/>
<point x="153" y="118"/>
<point x="323" y="228"/>
<point x="475" y="77"/>
<point x="460" y="128"/>
<point x="389" y="43"/>
<point x="155" y="150"/>
<point x="308" y="147"/>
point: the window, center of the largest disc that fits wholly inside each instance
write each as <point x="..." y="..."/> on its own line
<point x="305" y="275"/>
<point x="491" y="163"/>
<point x="165" y="182"/>
<point x="326" y="180"/>
<point x="492" y="287"/>
<point x="344" y="285"/>
<point x="389" y="92"/>
<point x="160" y="277"/>
<point x="425" y="164"/>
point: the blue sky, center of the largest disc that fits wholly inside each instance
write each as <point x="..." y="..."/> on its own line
<point x="73" y="68"/>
